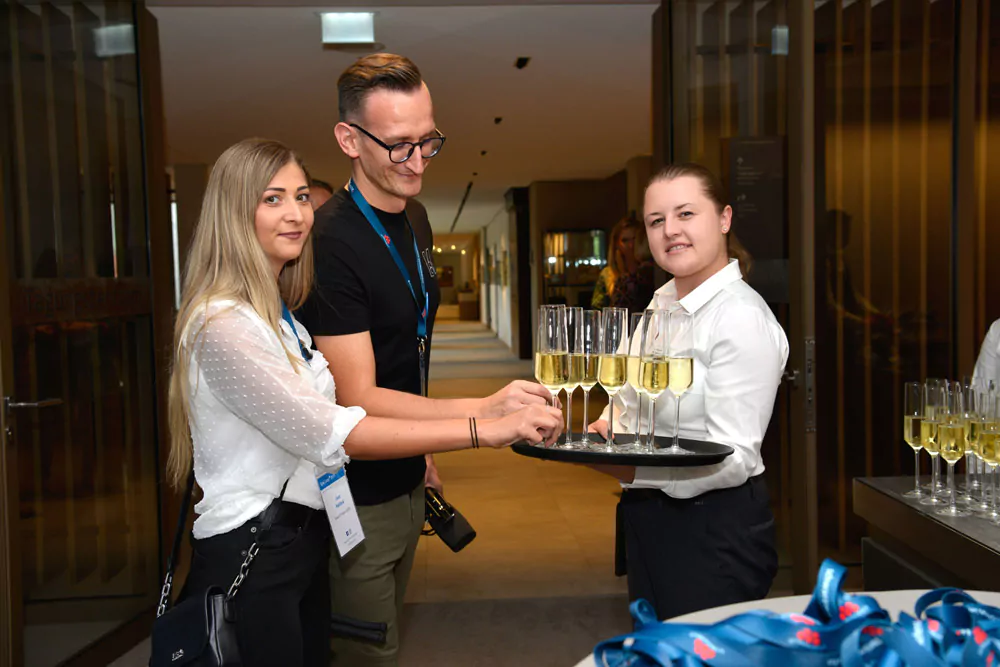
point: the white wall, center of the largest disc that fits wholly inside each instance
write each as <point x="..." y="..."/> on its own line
<point x="495" y="240"/>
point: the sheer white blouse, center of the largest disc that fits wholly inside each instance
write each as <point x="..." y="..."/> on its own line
<point x="255" y="420"/>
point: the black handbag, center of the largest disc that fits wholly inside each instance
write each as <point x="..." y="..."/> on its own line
<point x="447" y="522"/>
<point x="201" y="631"/>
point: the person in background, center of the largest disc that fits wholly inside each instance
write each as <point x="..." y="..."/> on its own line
<point x="253" y="412"/>
<point x="319" y="192"/>
<point x="634" y="290"/>
<point x="372" y="316"/>
<point x="988" y="363"/>
<point x="621" y="261"/>
<point x="700" y="537"/>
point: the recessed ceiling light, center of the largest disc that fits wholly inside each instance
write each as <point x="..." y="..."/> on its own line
<point x="114" y="40"/>
<point x="522" y="62"/>
<point x="348" y="30"/>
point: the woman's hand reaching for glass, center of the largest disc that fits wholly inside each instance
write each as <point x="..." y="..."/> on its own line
<point x="535" y="424"/>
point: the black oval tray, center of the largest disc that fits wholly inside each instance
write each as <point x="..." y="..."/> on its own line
<point x="702" y="453"/>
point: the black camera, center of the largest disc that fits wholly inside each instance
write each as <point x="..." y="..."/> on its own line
<point x="446" y="522"/>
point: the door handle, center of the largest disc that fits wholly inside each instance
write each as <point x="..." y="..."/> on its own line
<point x="44" y="403"/>
<point x="791" y="376"/>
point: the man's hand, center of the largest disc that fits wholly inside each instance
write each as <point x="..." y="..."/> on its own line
<point x="513" y="397"/>
<point x="431" y="477"/>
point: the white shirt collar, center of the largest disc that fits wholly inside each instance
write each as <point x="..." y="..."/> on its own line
<point x="704" y="292"/>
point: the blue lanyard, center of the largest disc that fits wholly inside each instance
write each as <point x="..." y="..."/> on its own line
<point x="287" y="316"/>
<point x="376" y="224"/>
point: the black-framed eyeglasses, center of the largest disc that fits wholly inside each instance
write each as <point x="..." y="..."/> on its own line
<point x="401" y="152"/>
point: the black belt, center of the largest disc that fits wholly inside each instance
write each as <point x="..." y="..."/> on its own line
<point x="288" y="514"/>
<point x="642" y="495"/>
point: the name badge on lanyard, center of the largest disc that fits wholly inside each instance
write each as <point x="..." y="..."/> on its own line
<point x="340" y="510"/>
<point x="422" y="304"/>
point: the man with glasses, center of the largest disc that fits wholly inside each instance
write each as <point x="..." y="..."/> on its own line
<point x="371" y="314"/>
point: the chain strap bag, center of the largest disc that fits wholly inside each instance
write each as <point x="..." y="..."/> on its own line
<point x="201" y="631"/>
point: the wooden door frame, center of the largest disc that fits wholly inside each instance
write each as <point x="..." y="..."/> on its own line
<point x="802" y="212"/>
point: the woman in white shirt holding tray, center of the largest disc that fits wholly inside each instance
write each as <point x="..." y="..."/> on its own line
<point x="254" y="408"/>
<point x="700" y="537"/>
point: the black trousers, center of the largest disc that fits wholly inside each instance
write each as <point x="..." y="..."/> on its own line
<point x="283" y="605"/>
<point x="702" y="552"/>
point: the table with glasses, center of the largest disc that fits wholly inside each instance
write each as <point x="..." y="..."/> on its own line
<point x="649" y="353"/>
<point x="911" y="545"/>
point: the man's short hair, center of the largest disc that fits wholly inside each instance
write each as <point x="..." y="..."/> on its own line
<point x="323" y="185"/>
<point x="378" y="71"/>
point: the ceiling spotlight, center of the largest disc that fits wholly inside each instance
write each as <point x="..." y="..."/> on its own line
<point x="522" y="62"/>
<point x="498" y="120"/>
<point x="463" y="251"/>
<point x="453" y="246"/>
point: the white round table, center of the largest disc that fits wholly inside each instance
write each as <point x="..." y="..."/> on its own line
<point x="893" y="601"/>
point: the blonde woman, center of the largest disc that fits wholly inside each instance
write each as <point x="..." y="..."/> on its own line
<point x="253" y="409"/>
<point x="622" y="261"/>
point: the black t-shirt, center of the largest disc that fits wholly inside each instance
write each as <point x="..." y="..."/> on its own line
<point x="359" y="288"/>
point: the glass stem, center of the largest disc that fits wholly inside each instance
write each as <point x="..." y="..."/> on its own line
<point x="993" y="476"/>
<point x="610" y="443"/>
<point x="651" y="444"/>
<point x="586" y="398"/>
<point x="916" y="470"/>
<point x="677" y="420"/>
<point x="951" y="487"/>
<point x="638" y="414"/>
<point x="935" y="475"/>
<point x="569" y="415"/>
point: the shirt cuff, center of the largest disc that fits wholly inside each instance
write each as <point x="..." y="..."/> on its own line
<point x="334" y="455"/>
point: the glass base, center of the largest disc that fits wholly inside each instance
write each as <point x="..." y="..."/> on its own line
<point x="933" y="500"/>
<point x="915" y="493"/>
<point x="953" y="511"/>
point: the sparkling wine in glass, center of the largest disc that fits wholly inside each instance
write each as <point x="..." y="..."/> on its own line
<point x="655" y="367"/>
<point x="612" y="369"/>
<point x="913" y="396"/>
<point x="551" y="350"/>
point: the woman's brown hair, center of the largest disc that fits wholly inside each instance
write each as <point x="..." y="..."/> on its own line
<point x="714" y="190"/>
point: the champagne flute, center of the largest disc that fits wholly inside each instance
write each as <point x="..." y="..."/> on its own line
<point x="655" y="369"/>
<point x="551" y="352"/>
<point x="986" y="459"/>
<point x="633" y="379"/>
<point x="970" y="424"/>
<point x="951" y="441"/>
<point x="929" y="426"/>
<point x="574" y="341"/>
<point x="680" y="344"/>
<point x="591" y="335"/>
<point x="913" y="395"/>
<point x="989" y="443"/>
<point x="613" y="366"/>
<point x="936" y="486"/>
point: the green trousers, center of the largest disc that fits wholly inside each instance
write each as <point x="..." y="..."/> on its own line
<point x="369" y="584"/>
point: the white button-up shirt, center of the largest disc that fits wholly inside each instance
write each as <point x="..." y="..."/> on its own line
<point x="740" y="352"/>
<point x="988" y="364"/>
<point x="255" y="421"/>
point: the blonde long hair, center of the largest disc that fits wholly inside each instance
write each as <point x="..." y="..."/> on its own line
<point x="617" y="264"/>
<point x="226" y="261"/>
